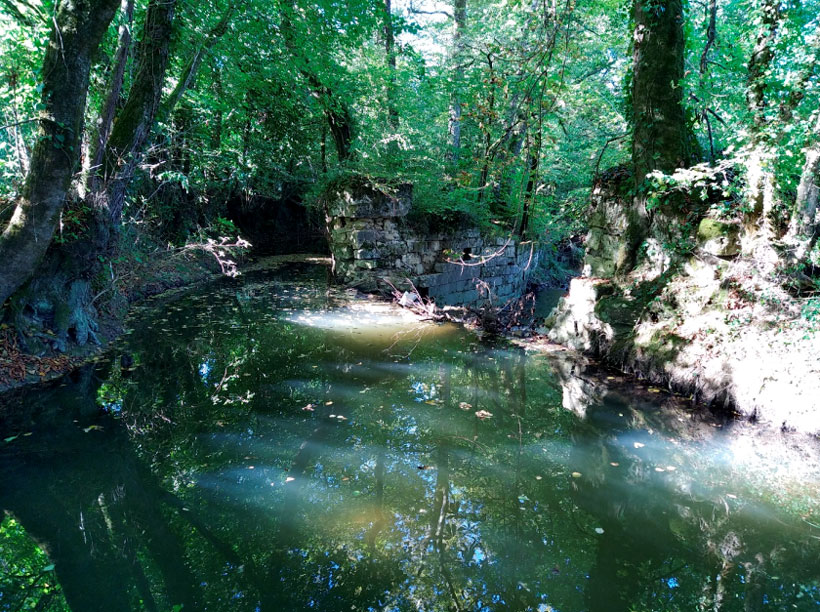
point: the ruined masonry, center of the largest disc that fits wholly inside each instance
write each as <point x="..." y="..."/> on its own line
<point x="371" y="241"/>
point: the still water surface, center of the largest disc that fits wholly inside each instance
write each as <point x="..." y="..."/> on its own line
<point x="275" y="446"/>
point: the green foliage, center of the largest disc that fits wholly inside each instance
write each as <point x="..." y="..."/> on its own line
<point x="532" y="83"/>
<point x="811" y="310"/>
<point x="27" y="579"/>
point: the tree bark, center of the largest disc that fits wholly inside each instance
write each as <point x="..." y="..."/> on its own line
<point x="759" y="179"/>
<point x="390" y="59"/>
<point x="134" y="123"/>
<point x="804" y="228"/>
<point x="454" y="121"/>
<point x="79" y="26"/>
<point x="661" y="138"/>
<point x="109" y="108"/>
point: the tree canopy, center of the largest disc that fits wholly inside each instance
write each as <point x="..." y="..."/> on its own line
<point x="505" y="111"/>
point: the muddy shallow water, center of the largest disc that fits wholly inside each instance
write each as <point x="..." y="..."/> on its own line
<point x="266" y="444"/>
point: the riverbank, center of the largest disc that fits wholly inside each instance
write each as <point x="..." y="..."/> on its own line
<point x="713" y="330"/>
<point x="154" y="278"/>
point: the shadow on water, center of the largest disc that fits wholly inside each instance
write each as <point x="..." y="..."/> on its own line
<point x="275" y="447"/>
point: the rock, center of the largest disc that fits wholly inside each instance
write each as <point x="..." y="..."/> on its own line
<point x="719" y="238"/>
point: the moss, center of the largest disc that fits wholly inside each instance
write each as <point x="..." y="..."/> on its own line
<point x="664" y="346"/>
<point x="709" y="229"/>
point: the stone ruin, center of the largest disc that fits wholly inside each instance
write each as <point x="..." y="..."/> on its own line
<point x="372" y="243"/>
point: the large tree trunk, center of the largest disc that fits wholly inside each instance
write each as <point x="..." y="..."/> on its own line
<point x="136" y="119"/>
<point x="759" y="175"/>
<point x="454" y="121"/>
<point x="661" y="137"/>
<point x="79" y="26"/>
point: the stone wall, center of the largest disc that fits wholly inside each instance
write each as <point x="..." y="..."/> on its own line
<point x="371" y="241"/>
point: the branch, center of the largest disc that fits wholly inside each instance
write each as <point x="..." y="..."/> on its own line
<point x="24" y="121"/>
<point x="28" y="16"/>
<point x="601" y="154"/>
<point x="412" y="9"/>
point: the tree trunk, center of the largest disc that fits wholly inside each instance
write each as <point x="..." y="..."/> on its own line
<point x="339" y="120"/>
<point x="454" y="122"/>
<point x="109" y="108"/>
<point x="134" y="123"/>
<point x="661" y="136"/>
<point x="484" y="178"/>
<point x="337" y="113"/>
<point x="191" y="69"/>
<point x="804" y="227"/>
<point x="759" y="178"/>
<point x="532" y="180"/>
<point x="661" y="139"/>
<point x="216" y="129"/>
<point x="390" y="59"/>
<point x="79" y="26"/>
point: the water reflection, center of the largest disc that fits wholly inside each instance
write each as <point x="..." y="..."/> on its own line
<point x="275" y="448"/>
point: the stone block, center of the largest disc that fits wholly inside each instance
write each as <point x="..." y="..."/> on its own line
<point x="367" y="253"/>
<point x="364" y="238"/>
<point x="411" y="258"/>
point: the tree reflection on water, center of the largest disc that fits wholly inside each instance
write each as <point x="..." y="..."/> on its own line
<point x="254" y="460"/>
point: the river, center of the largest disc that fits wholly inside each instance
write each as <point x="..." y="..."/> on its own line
<point x="264" y="443"/>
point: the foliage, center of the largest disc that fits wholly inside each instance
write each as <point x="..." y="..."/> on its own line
<point x="27" y="578"/>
